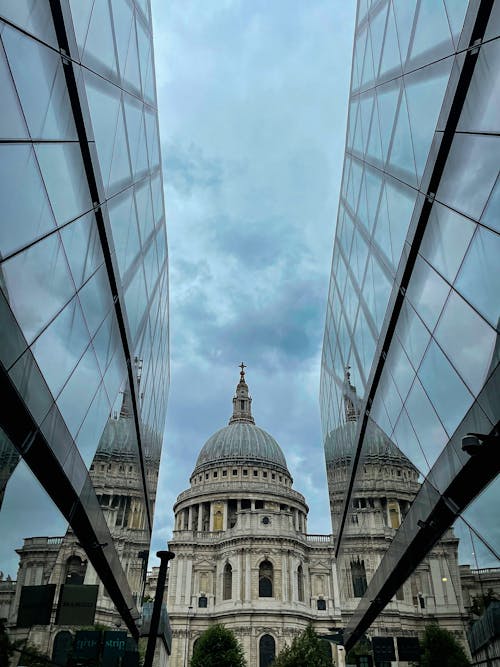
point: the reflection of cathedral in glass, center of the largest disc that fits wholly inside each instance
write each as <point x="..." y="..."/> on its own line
<point x="117" y="479"/>
<point x="380" y="500"/>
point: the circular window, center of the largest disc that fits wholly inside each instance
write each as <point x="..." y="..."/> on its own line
<point x="266" y="520"/>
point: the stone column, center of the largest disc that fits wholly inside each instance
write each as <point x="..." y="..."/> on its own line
<point x="241" y="584"/>
<point x="224" y="516"/>
<point x="190" y="518"/>
<point x="178" y="579"/>
<point x="252" y="505"/>
<point x="248" y="582"/>
<point x="335" y="585"/>
<point x="200" y="517"/>
<point x="284" y="578"/>
<point x="211" y="520"/>
<point x="189" y="574"/>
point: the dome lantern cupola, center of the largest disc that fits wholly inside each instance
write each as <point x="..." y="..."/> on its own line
<point x="242" y="401"/>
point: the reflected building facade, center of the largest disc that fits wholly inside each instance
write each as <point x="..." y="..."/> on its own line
<point x="413" y="305"/>
<point x="83" y="289"/>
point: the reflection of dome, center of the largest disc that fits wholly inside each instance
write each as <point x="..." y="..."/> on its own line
<point x="242" y="441"/>
<point x="119" y="439"/>
<point x="377" y="444"/>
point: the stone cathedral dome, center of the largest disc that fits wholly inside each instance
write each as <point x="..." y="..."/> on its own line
<point x="241" y="441"/>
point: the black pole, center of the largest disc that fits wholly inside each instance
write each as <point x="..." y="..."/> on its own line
<point x="164" y="557"/>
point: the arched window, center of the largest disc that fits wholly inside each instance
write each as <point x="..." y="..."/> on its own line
<point x="265" y="579"/>
<point x="75" y="570"/>
<point x="227" y="592"/>
<point x="267" y="650"/>
<point x="358" y="574"/>
<point x="300" y="583"/>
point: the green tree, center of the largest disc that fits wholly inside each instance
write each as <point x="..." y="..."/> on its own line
<point x="218" y="647"/>
<point x="306" y="649"/>
<point x="441" y="649"/>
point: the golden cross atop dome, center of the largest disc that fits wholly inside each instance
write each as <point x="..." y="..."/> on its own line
<point x="242" y="372"/>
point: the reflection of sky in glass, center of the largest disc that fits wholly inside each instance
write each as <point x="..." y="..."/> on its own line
<point x="453" y="291"/>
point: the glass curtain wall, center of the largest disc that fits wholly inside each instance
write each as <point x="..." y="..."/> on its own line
<point x="411" y="339"/>
<point x="84" y="331"/>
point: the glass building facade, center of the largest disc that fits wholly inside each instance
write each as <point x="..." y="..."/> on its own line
<point x="411" y="339"/>
<point x="84" y="336"/>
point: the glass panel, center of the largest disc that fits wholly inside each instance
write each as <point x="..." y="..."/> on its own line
<point x="427" y="427"/>
<point x="400" y="202"/>
<point x="120" y="167"/>
<point x="412" y="334"/>
<point x="446" y="239"/>
<point x="387" y="98"/>
<point x="144" y="209"/>
<point x="124" y="227"/>
<point x="34" y="17"/>
<point x="408" y="443"/>
<point x="12" y="124"/>
<point x="23" y="198"/>
<point x="425" y="89"/>
<point x="491" y="215"/>
<point x="65" y="179"/>
<point x="401" y="156"/>
<point x="432" y="38"/>
<point x="82" y="246"/>
<point x="470" y="173"/>
<point x="377" y="28"/>
<point x="471" y="352"/>
<point x="81" y="12"/>
<point x="38" y="284"/>
<point x="99" y="51"/>
<point x="427" y="292"/>
<point x="449" y="395"/>
<point x="65" y="340"/>
<point x="95" y="299"/>
<point x="104" y="103"/>
<point x="75" y="398"/>
<point x="480" y="112"/>
<point x="456" y="10"/>
<point x="106" y="341"/>
<point x="136" y="301"/>
<point x="132" y="74"/>
<point x="122" y="23"/>
<point x="40" y="82"/>
<point x="484" y="521"/>
<point x="479" y="275"/>
<point x="404" y="11"/>
<point x="390" y="55"/>
<point x="87" y="438"/>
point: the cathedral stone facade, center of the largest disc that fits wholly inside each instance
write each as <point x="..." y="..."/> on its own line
<point x="243" y="554"/>
<point x="244" y="557"/>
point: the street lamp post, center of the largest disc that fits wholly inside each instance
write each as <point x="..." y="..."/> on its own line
<point x="164" y="557"/>
<point x="186" y="643"/>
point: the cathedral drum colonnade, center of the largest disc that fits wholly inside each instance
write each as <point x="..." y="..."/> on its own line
<point x="243" y="555"/>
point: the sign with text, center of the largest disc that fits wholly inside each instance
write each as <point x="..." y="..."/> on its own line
<point x="87" y="644"/>
<point x="76" y="605"/>
<point x="35" y="605"/>
<point x="114" y="646"/>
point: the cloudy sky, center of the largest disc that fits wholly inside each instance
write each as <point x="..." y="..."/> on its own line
<point x="253" y="102"/>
